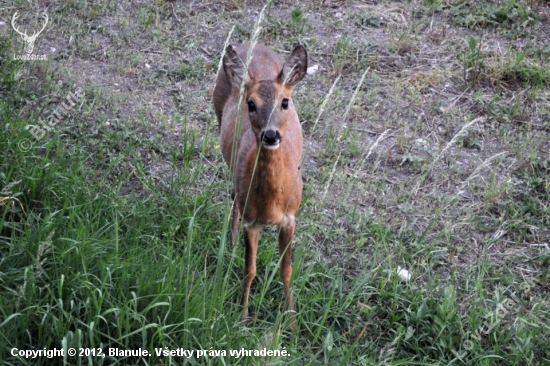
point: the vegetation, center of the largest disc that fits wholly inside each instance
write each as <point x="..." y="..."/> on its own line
<point x="426" y="149"/>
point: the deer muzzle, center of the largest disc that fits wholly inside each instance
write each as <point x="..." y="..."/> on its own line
<point x="271" y="139"/>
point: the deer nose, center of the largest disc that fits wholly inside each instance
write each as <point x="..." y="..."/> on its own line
<point x="271" y="139"/>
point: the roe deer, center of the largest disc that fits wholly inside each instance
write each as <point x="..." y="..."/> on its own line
<point x="265" y="153"/>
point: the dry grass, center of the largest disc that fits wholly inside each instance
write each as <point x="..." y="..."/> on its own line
<point x="426" y="132"/>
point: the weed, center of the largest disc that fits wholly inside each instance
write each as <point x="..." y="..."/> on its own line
<point x="402" y="43"/>
<point x="297" y="20"/>
<point x="367" y="19"/>
<point x="194" y="70"/>
<point x="543" y="54"/>
<point x="424" y="79"/>
<point x="237" y="4"/>
<point x="276" y="27"/>
<point x="343" y="53"/>
<point x="524" y="71"/>
<point x="471" y="59"/>
<point x="434" y="5"/>
<point x="472" y="140"/>
<point x="502" y="14"/>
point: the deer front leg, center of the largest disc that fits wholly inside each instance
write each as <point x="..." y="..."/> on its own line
<point x="251" y="233"/>
<point x="286" y="232"/>
<point x="235" y="214"/>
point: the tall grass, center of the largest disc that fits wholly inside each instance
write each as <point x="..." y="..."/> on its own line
<point x="96" y="252"/>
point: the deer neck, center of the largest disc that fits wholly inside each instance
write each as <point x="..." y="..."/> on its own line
<point x="270" y="169"/>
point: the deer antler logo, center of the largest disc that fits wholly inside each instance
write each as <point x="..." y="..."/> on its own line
<point x="28" y="39"/>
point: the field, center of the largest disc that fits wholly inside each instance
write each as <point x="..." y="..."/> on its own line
<point x="427" y="148"/>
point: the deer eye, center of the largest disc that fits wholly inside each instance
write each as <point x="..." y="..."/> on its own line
<point x="284" y="104"/>
<point x="251" y="106"/>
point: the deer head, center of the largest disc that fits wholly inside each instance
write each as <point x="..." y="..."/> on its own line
<point x="28" y="39"/>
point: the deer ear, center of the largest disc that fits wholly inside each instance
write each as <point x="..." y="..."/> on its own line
<point x="295" y="67"/>
<point x="233" y="66"/>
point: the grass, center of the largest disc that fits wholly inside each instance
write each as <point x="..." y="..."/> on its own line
<point x="114" y="225"/>
<point x="505" y="15"/>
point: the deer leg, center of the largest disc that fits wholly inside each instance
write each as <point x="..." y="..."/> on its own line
<point x="235" y="214"/>
<point x="286" y="232"/>
<point x="251" y="234"/>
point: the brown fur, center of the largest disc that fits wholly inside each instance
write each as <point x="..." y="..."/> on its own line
<point x="271" y="195"/>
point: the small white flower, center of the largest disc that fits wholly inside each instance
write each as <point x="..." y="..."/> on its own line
<point x="312" y="70"/>
<point x="403" y="274"/>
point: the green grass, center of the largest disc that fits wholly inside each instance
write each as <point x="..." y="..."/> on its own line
<point x="103" y="244"/>
<point x="505" y="15"/>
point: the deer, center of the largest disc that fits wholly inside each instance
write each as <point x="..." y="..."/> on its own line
<point x="261" y="142"/>
<point x="29" y="39"/>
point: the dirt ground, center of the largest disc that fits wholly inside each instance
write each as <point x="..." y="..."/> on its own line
<point x="405" y="165"/>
